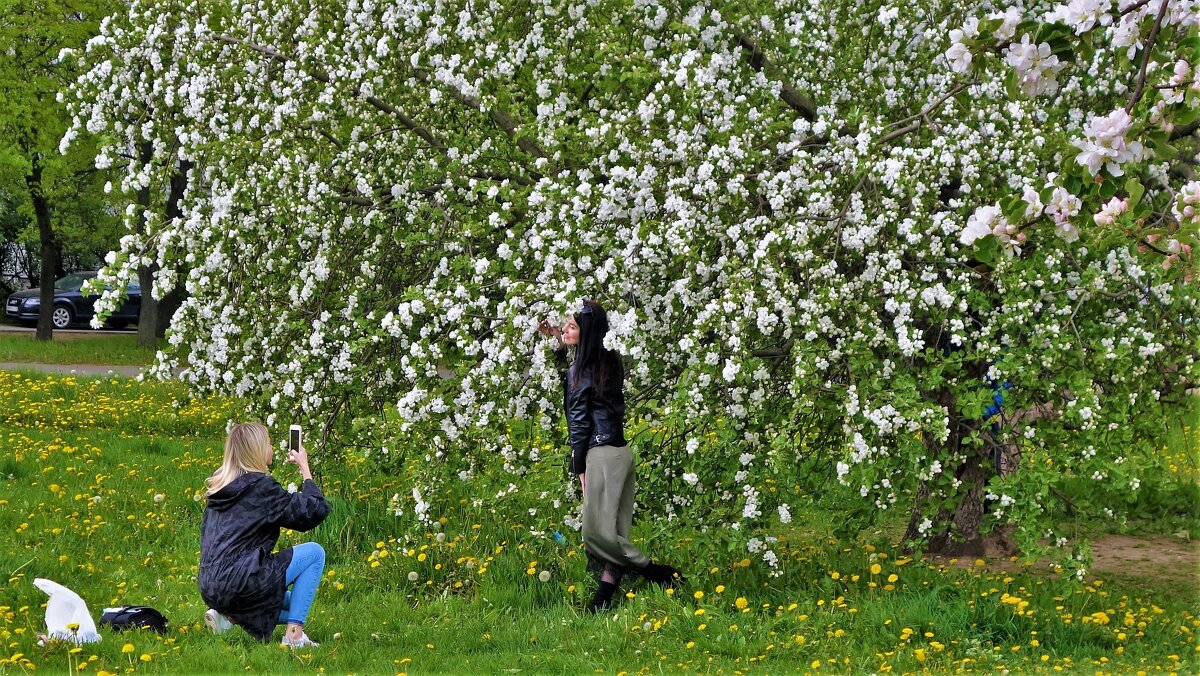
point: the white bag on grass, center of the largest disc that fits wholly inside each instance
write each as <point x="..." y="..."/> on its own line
<point x="65" y="608"/>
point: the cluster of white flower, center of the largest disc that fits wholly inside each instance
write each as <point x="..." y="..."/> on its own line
<point x="959" y="54"/>
<point x="989" y="220"/>
<point x="1081" y="15"/>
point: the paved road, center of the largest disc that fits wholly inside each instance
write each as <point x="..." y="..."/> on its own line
<point x="79" y="369"/>
<point x="13" y="328"/>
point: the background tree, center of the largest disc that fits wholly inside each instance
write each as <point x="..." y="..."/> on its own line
<point x="830" y="234"/>
<point x="63" y="190"/>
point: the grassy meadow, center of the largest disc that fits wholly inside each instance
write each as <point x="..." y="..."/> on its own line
<point x="74" y="348"/>
<point x="100" y="490"/>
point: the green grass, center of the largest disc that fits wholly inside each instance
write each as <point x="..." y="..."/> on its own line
<point x="103" y="349"/>
<point x="98" y="487"/>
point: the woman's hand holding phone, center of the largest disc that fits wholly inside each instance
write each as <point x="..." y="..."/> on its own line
<point x="300" y="457"/>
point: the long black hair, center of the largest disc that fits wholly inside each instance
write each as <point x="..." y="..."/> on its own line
<point x="591" y="357"/>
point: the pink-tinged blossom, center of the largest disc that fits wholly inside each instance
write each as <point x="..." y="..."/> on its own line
<point x="1182" y="74"/>
<point x="1187" y="202"/>
<point x="1036" y="67"/>
<point x="1111" y="211"/>
<point x="1104" y="143"/>
<point x="1062" y="207"/>
<point x="1031" y="197"/>
<point x="989" y="220"/>
<point x="1081" y="15"/>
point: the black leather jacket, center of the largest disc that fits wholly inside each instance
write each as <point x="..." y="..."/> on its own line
<point x="594" y="418"/>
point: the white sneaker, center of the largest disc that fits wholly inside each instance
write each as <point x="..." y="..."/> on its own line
<point x="217" y="622"/>
<point x="303" y="642"/>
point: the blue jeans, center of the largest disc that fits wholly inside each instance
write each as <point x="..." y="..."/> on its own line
<point x="304" y="576"/>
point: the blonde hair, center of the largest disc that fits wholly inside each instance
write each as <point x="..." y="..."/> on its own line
<point x="245" y="451"/>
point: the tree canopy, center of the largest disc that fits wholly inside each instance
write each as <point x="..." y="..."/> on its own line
<point x="828" y="234"/>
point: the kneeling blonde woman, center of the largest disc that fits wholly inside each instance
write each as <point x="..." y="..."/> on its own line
<point x="241" y="580"/>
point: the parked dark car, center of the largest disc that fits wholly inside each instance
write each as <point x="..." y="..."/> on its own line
<point x="71" y="306"/>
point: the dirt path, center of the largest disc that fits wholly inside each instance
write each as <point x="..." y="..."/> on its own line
<point x="1162" y="557"/>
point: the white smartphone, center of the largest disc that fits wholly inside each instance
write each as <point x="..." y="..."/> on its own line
<point x="294" y="437"/>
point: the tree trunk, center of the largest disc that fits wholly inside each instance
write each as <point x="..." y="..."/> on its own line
<point x="49" y="262"/>
<point x="148" y="314"/>
<point x="958" y="531"/>
<point x="172" y="300"/>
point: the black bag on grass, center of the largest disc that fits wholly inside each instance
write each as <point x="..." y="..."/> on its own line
<point x="134" y="617"/>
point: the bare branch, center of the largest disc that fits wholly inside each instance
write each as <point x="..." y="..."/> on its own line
<point x="914" y="120"/>
<point x="1134" y="7"/>
<point x="1146" y="52"/>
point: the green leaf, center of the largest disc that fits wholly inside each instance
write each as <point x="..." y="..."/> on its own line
<point x="1086" y="51"/>
<point x="1010" y="85"/>
<point x="1166" y="151"/>
<point x="1192" y="44"/>
<point x="1135" y="190"/>
<point x="1185" y="116"/>
<point x="987" y="249"/>
<point x="1013" y="209"/>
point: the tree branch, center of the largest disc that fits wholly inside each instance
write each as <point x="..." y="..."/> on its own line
<point x="498" y="115"/>
<point x="914" y="120"/>
<point x="758" y="61"/>
<point x="1134" y="7"/>
<point x="1141" y="85"/>
<point x="1184" y="130"/>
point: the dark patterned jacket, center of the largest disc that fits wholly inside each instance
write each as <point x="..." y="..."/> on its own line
<point x="240" y="577"/>
<point x="594" y="417"/>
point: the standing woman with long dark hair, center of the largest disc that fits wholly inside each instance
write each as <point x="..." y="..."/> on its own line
<point x="595" y="407"/>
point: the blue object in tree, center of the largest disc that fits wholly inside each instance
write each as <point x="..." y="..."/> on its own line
<point x="997" y="404"/>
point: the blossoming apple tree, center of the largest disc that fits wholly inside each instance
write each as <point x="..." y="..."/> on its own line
<point x="830" y="234"/>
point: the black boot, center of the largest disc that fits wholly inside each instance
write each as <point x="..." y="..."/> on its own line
<point x="662" y="575"/>
<point x="603" y="600"/>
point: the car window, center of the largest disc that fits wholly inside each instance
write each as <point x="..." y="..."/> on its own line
<point x="72" y="282"/>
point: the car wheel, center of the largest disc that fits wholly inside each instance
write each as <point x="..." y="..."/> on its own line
<point x="62" y="316"/>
